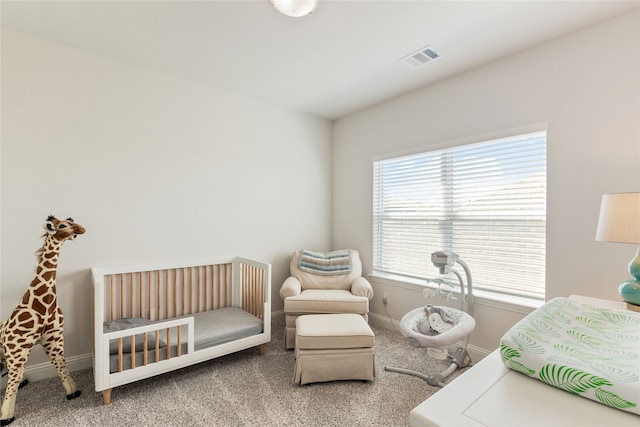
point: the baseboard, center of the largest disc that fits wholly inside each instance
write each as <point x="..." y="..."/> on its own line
<point x="476" y="353"/>
<point x="44" y="370"/>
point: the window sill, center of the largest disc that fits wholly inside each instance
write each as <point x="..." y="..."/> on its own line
<point x="490" y="299"/>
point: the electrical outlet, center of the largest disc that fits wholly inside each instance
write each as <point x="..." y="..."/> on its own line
<point x="385" y="298"/>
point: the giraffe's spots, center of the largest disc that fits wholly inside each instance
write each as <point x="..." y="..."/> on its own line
<point x="48" y="299"/>
<point x="24" y="316"/>
<point x="48" y="275"/>
<point x="40" y="291"/>
<point x="30" y="324"/>
<point x="38" y="307"/>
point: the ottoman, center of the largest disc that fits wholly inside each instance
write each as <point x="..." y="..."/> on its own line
<point x="333" y="347"/>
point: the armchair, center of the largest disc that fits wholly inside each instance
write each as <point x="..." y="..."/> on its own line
<point x="324" y="283"/>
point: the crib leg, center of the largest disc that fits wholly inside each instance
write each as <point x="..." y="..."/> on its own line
<point x="106" y="397"/>
<point x="262" y="349"/>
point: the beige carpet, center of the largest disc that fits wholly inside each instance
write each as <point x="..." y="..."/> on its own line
<point x="242" y="389"/>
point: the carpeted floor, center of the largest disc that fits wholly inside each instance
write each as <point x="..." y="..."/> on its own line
<point x="242" y="389"/>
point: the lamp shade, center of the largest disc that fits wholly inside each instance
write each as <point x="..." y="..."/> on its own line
<point x="619" y="218"/>
<point x="295" y="8"/>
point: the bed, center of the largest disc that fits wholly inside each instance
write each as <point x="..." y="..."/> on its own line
<point x="493" y="393"/>
<point x="154" y="318"/>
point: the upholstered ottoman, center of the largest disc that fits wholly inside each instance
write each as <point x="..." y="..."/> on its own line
<point x="333" y="347"/>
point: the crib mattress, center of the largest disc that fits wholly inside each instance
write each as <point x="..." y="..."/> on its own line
<point x="590" y="351"/>
<point x="211" y="328"/>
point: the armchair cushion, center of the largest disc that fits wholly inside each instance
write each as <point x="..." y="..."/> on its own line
<point x="318" y="301"/>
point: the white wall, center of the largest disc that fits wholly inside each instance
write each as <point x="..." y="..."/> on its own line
<point x="585" y="86"/>
<point x="156" y="168"/>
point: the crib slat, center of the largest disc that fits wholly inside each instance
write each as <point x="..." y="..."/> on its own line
<point x="224" y="299"/>
<point x="216" y="286"/>
<point x="206" y="287"/>
<point x="168" y="344"/>
<point x="254" y="287"/>
<point x="254" y="290"/>
<point x="195" y="276"/>
<point x="179" y="343"/>
<point x="144" y="351"/>
<point x="243" y="279"/>
<point x="131" y="299"/>
<point x="219" y="287"/>
<point x="157" y="346"/>
<point x="157" y="283"/>
<point x="184" y="297"/>
<point x="120" y="355"/>
<point x="245" y="285"/>
<point x="133" y="351"/>
<point x="149" y="303"/>
<point x="121" y="295"/>
<point x="175" y="294"/>
<point x="113" y="298"/>
<point x="140" y="295"/>
<point x="166" y="294"/>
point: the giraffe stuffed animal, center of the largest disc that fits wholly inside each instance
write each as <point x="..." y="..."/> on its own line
<point x="38" y="319"/>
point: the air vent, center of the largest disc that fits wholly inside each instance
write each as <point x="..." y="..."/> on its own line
<point x="421" y="57"/>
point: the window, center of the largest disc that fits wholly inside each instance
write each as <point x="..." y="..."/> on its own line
<point x="484" y="201"/>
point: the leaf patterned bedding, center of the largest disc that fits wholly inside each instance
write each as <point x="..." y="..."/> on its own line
<point x="590" y="351"/>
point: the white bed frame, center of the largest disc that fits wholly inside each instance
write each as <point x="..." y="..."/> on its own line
<point x="163" y="291"/>
<point x="490" y="394"/>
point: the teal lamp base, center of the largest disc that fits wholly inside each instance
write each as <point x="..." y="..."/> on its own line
<point x="630" y="290"/>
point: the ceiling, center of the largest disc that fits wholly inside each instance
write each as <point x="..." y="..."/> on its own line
<point x="342" y="58"/>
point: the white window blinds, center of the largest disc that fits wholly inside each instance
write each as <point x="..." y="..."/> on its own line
<point x="484" y="201"/>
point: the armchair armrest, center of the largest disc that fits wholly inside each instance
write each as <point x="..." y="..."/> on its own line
<point x="362" y="288"/>
<point x="291" y="287"/>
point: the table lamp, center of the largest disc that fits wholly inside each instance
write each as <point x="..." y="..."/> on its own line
<point x="620" y="222"/>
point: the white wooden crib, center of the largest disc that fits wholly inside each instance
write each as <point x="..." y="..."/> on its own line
<point x="154" y="318"/>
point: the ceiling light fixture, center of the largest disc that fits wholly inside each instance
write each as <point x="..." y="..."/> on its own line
<point x="295" y="8"/>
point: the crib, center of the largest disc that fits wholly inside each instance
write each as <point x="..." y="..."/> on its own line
<point x="154" y="318"/>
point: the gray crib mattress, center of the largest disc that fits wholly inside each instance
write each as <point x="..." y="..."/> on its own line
<point x="211" y="328"/>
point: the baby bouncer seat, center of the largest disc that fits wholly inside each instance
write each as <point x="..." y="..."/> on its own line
<point x="438" y="327"/>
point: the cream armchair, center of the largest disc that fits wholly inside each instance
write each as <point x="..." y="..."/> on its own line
<point x="327" y="286"/>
